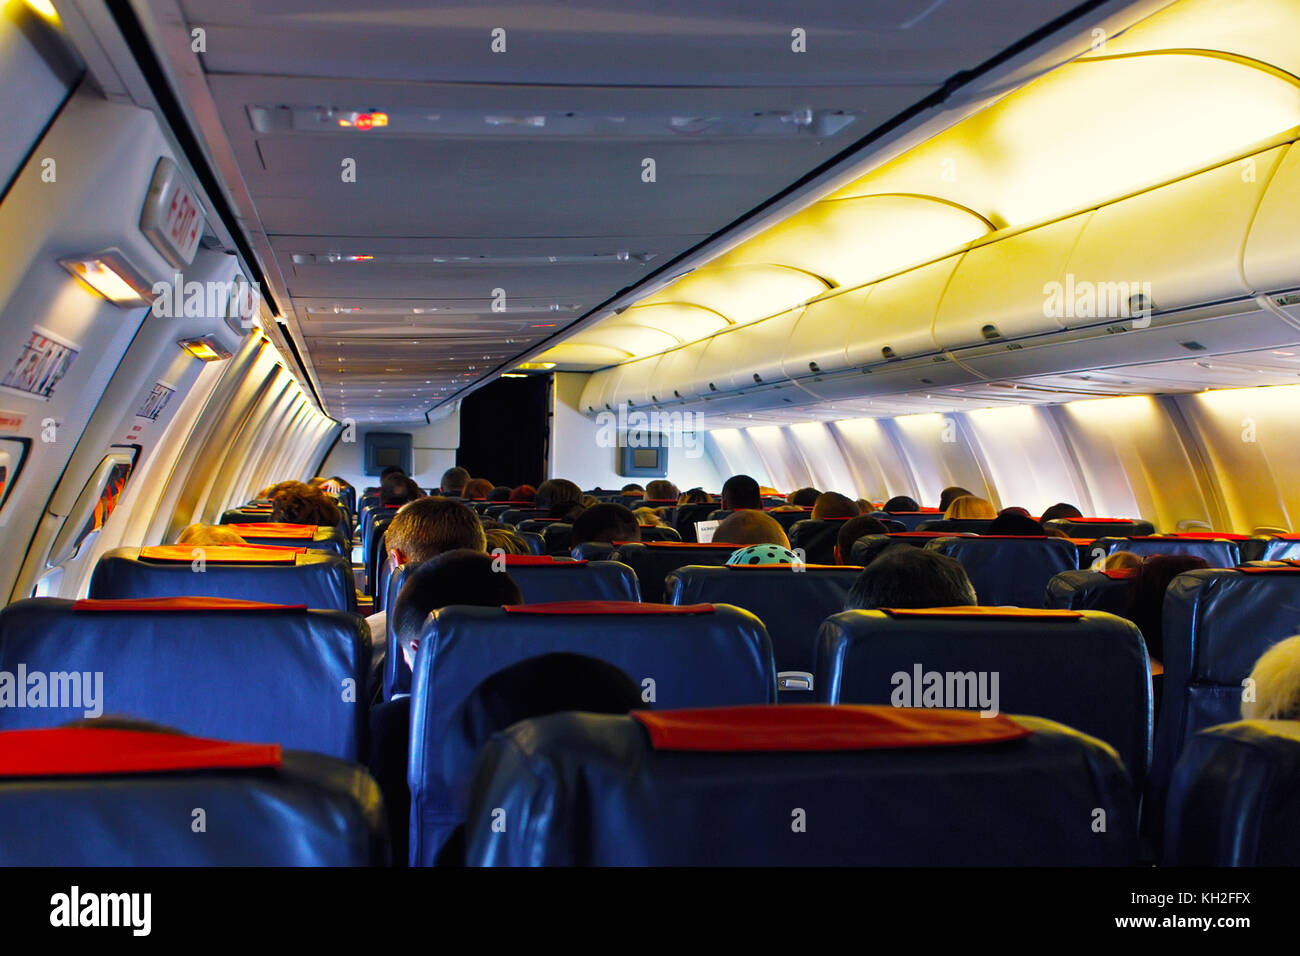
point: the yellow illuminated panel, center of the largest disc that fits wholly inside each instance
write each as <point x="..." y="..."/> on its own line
<point x="104" y="279"/>
<point x="45" y="9"/>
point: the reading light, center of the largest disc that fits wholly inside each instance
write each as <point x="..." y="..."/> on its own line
<point x="109" y="274"/>
<point x="44" y="8"/>
<point x="534" y="366"/>
<point x="205" y="348"/>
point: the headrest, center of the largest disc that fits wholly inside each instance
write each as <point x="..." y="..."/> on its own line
<point x="546" y="560"/>
<point x="1286" y="566"/>
<point x="83" y="751"/>
<point x="180" y="604"/>
<point x="608" y="607"/>
<point x="275" y="529"/>
<point x="986" y="613"/>
<point x="222" y="554"/>
<point x="670" y="545"/>
<point x="821" y="727"/>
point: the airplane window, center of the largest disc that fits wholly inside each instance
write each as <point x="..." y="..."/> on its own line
<point x="13" y="455"/>
<point x="96" y="503"/>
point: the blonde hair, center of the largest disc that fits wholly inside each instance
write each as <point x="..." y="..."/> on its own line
<point x="1121" y="559"/>
<point x="968" y="506"/>
<point x="1276" y="679"/>
<point x="208" y="535"/>
<point x="648" y="516"/>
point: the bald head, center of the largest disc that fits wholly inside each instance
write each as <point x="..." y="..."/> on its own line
<point x="751" y="527"/>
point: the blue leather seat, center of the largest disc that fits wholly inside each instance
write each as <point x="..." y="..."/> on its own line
<point x="318" y="538"/>
<point x="373" y="552"/>
<point x="543" y="578"/>
<point x="535" y="542"/>
<point x="1232" y="800"/>
<point x="686" y="516"/>
<point x="817" y="538"/>
<point x="593" y="551"/>
<point x="705" y="656"/>
<point x="967" y="525"/>
<point x="279" y="675"/>
<point x="245" y="515"/>
<point x="1102" y="527"/>
<point x="791" y="604"/>
<point x="757" y="786"/>
<point x="1280" y="548"/>
<point x="910" y="520"/>
<point x="557" y="537"/>
<point x="397" y="676"/>
<point x="1090" y="590"/>
<point x="84" y="797"/>
<point x="1086" y="669"/>
<point x="314" y="578"/>
<point x="659" y="533"/>
<point x="518" y="514"/>
<point x="1216" y="625"/>
<point x="1217" y="552"/>
<point x="869" y="542"/>
<point x="1010" y="570"/>
<point x="653" y="560"/>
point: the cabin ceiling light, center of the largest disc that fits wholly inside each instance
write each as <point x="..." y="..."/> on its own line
<point x="205" y="348"/>
<point x="485" y="309"/>
<point x="749" y="124"/>
<point x="110" y="275"/>
<point x="533" y="366"/>
<point x="621" y="256"/>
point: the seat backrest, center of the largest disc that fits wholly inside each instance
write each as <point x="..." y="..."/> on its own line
<point x="792" y="604"/>
<point x="1218" y="552"/>
<point x="1010" y="570"/>
<point x="659" y="533"/>
<point x="1090" y="590"/>
<point x="310" y="536"/>
<point x="910" y="520"/>
<point x="1280" y="548"/>
<point x="535" y="542"/>
<point x="788" y="519"/>
<point x="1233" y="797"/>
<point x="1101" y="527"/>
<point x="316" y="579"/>
<point x="544" y="578"/>
<point x="653" y="560"/>
<point x="686" y="515"/>
<point x="868" y="542"/>
<point x="79" y="796"/>
<point x="811" y="785"/>
<point x="213" y="668"/>
<point x="1087" y="669"/>
<point x="538" y="525"/>
<point x="971" y="525"/>
<point x="557" y="536"/>
<point x="517" y="514"/>
<point x="594" y="551"/>
<point x="373" y="551"/>
<point x="1216" y="625"/>
<point x="397" y="675"/>
<point x="816" y="539"/>
<point x="245" y="515"/>
<point x="684" y="657"/>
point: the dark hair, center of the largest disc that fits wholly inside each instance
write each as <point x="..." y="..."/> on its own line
<point x="310" y="507"/>
<point x="1060" y="510"/>
<point x="831" y="504"/>
<point x="1009" y="522"/>
<point x="661" y="490"/>
<point x="1146" y="595"/>
<point x="456" y="577"/>
<point x="398" y="490"/>
<point x="951" y="494"/>
<point x="741" y="491"/>
<point x="426" y="528"/>
<point x="523" y="493"/>
<point x="853" y="529"/>
<point x="629" y="488"/>
<point x="694" y="496"/>
<point x="901" y="503"/>
<point x="804" y="497"/>
<point x="871" y="546"/>
<point x="558" y="496"/>
<point x="390" y="470"/>
<point x="908" y="577"/>
<point x="499" y="493"/>
<point x="605" y="522"/>
<point x="454" y="479"/>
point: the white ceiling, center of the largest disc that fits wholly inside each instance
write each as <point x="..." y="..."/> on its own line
<point x="518" y="191"/>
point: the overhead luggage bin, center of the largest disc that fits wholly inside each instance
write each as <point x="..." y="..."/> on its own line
<point x="1273" y="246"/>
<point x="900" y="315"/>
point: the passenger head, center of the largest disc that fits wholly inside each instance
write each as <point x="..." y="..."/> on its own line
<point x="1276" y="678"/>
<point x="208" y="535"/>
<point x="558" y="496"/>
<point x="694" y="496"/>
<point x="295" y="507"/>
<point x="426" y="528"/>
<point x="1146" y="595"/>
<point x="477" y="489"/>
<point x="908" y="577"/>
<point x="453" y="481"/>
<point x="1121" y="559"/>
<point x="741" y="491"/>
<point x="764" y="554"/>
<point x="1060" y="510"/>
<point x="499" y="493"/>
<point x="605" y="522"/>
<point x="648" y="516"/>
<point x="968" y="506"/>
<point x="951" y="494"/>
<point x="398" y="490"/>
<point x="832" y="505"/>
<point x="873" y="546"/>
<point x="505" y="540"/>
<point x="523" y="493"/>
<point x="661" y="490"/>
<point x="633" y="489"/>
<point x="803" y="498"/>
<point x="850" y="531"/>
<point x="390" y="470"/>
<point x="865" y="507"/>
<point x="750" y="527"/>
<point x="1009" y="522"/>
<point x="455" y="577"/>
<point x="901" y="503"/>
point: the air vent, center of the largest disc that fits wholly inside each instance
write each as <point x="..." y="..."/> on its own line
<point x="1291" y="298"/>
<point x="866" y="371"/>
<point x="814" y="368"/>
<point x="1116" y="329"/>
<point x="1012" y="347"/>
<point x="888" y="353"/>
<point x="1193" y="346"/>
<point x="712" y="387"/>
<point x="940" y="359"/>
<point x="757" y="377"/>
<point x="990" y="332"/>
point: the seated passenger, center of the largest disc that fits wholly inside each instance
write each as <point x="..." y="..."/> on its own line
<point x="803" y="498"/>
<point x="1146" y="595"/>
<point x="499" y="493"/>
<point x="661" y="490"/>
<point x="648" y="517"/>
<point x="455" y="577"/>
<point x="901" y="503"/>
<point x="750" y="527"/>
<point x="390" y="470"/>
<point x="694" y="496"/>
<point x="633" y="490"/>
<point x="523" y="493"/>
<point x="1060" y="510"/>
<point x="501" y="540"/>
<point x="968" y="506"/>
<point x="865" y="507"/>
<point x="296" y="507"/>
<point x="398" y="490"/>
<point x="765" y="554"/>
<point x="1012" y="523"/>
<point x="850" y="531"/>
<point x="608" y="522"/>
<point x="739" y="492"/>
<point x="478" y="489"/>
<point x="453" y="482"/>
<point x="207" y="535"/>
<point x="832" y="505"/>
<point x="951" y="494"/>
<point x="1121" y="559"/>
<point x="1276" y="684"/>
<point x="559" y="497"/>
<point x="907" y="577"/>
